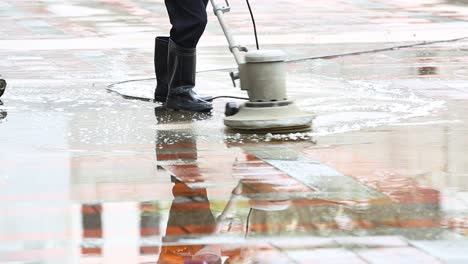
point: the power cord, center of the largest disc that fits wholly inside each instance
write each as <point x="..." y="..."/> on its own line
<point x="254" y="24"/>
<point x="228" y="97"/>
<point x="334" y="56"/>
<point x="110" y="89"/>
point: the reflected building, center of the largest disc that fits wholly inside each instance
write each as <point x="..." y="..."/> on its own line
<point x="115" y="183"/>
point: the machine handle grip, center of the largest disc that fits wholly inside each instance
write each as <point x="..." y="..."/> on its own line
<point x="234" y="76"/>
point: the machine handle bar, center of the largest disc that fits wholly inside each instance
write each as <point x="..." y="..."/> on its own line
<point x="234" y="47"/>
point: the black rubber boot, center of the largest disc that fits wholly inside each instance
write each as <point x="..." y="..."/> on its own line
<point x="181" y="75"/>
<point x="161" y="48"/>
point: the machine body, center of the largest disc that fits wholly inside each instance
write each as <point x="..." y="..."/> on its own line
<point x="262" y="73"/>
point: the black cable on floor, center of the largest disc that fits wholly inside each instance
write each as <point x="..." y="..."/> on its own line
<point x="138" y="98"/>
<point x="228" y="97"/>
<point x="377" y="50"/>
<point x="247" y="225"/>
<point x="129" y="81"/>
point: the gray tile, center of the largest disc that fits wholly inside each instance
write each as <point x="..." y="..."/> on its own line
<point x="452" y="252"/>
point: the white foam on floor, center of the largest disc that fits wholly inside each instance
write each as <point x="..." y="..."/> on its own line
<point x="343" y="106"/>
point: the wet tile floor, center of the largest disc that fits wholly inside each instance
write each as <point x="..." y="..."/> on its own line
<point x="89" y="177"/>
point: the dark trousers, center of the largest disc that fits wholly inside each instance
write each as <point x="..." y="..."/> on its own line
<point x="188" y="19"/>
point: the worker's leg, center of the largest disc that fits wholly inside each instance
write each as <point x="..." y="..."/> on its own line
<point x="188" y="19"/>
<point x="161" y="48"/>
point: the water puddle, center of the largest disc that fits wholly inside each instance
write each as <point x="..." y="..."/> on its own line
<point x="340" y="105"/>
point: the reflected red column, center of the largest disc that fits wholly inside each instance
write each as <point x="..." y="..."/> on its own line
<point x="92" y="229"/>
<point x="149" y="226"/>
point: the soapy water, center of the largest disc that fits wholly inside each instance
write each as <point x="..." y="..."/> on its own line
<point x="108" y="119"/>
<point x="344" y="106"/>
<point x="340" y="106"/>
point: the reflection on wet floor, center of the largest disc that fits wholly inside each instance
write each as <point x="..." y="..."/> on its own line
<point x="89" y="177"/>
<point x="164" y="116"/>
<point x="251" y="203"/>
<point x="428" y="71"/>
<point x="3" y="113"/>
<point x="280" y="199"/>
<point x="92" y="229"/>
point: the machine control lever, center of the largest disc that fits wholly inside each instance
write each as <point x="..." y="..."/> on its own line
<point x="234" y="76"/>
<point x="224" y="9"/>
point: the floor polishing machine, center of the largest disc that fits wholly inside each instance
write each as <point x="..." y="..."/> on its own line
<point x="262" y="73"/>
